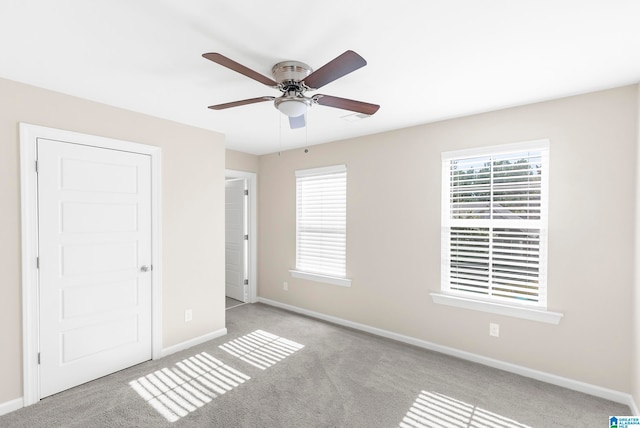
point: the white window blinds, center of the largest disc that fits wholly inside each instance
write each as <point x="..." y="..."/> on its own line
<point x="494" y="223"/>
<point x="321" y="220"/>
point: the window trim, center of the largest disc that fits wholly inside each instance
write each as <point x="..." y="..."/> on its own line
<point x="531" y="313"/>
<point x="334" y="280"/>
<point x="537" y="311"/>
<point x="316" y="276"/>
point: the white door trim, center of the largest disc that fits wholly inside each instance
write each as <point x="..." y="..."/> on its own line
<point x="252" y="253"/>
<point x="28" y="186"/>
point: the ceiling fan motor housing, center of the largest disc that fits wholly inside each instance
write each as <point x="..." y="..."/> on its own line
<point x="289" y="75"/>
<point x="290" y="72"/>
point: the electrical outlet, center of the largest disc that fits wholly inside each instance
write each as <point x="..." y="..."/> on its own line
<point x="494" y="330"/>
<point x="188" y="315"/>
<point x="285" y="286"/>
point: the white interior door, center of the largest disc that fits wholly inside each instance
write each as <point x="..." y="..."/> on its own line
<point x="94" y="208"/>
<point x="235" y="244"/>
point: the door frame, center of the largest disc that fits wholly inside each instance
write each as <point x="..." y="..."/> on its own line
<point x="252" y="224"/>
<point x="29" y="135"/>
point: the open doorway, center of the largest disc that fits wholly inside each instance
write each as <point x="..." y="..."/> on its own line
<point x="240" y="238"/>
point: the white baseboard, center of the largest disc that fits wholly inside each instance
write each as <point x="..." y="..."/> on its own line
<point x="597" y="391"/>
<point x="11" y="406"/>
<point x="193" y="342"/>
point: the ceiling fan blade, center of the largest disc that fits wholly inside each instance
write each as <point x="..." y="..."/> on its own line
<point x="239" y="68"/>
<point x="345" y="104"/>
<point x="335" y="69"/>
<point x="297" y="122"/>
<point x="241" y="103"/>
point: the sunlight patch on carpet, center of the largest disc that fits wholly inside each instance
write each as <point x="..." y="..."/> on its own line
<point x="261" y="349"/>
<point x="188" y="385"/>
<point x="436" y="410"/>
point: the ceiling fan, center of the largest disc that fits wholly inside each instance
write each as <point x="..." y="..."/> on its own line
<point x="293" y="79"/>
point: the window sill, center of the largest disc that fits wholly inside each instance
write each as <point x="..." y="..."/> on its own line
<point x="334" y="280"/>
<point x="498" y="308"/>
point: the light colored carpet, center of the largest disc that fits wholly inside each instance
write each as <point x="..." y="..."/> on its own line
<point x="277" y="369"/>
<point x="231" y="303"/>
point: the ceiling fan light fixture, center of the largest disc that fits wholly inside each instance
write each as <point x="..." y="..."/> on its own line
<point x="292" y="107"/>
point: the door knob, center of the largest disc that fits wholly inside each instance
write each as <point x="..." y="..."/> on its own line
<point x="145" y="268"/>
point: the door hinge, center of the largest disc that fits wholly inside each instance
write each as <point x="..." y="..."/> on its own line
<point x="38" y="358"/>
<point x="36" y="167"/>
<point x="37" y="262"/>
<point x="246" y="193"/>
<point x="246" y="237"/>
<point x="246" y="282"/>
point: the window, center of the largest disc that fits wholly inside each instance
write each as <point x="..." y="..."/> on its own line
<point x="321" y="224"/>
<point x="494" y="224"/>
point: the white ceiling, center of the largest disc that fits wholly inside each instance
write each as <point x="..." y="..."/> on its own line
<point x="428" y="60"/>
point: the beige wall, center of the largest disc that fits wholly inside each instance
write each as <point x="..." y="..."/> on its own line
<point x="193" y="163"/>
<point x="241" y="161"/>
<point x="636" y="300"/>
<point x="393" y="249"/>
